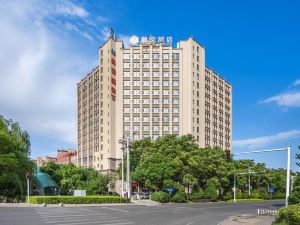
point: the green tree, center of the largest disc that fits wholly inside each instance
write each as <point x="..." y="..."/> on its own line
<point x="14" y="159"/>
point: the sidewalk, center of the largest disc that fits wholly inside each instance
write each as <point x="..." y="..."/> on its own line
<point x="249" y="220"/>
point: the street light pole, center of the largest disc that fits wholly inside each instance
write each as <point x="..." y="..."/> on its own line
<point x="288" y="175"/>
<point x="249" y="182"/>
<point x="128" y="168"/>
<point x="234" y="189"/>
<point x="122" y="184"/>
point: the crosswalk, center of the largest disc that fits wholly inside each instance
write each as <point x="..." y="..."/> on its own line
<point x="80" y="216"/>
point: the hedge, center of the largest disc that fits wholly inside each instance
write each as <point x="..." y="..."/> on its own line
<point x="160" y="196"/>
<point x="289" y="215"/>
<point x="76" y="199"/>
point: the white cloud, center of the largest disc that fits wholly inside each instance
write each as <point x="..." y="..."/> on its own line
<point x="41" y="60"/>
<point x="289" y="99"/>
<point x="264" y="141"/>
<point x="297" y="82"/>
<point x="286" y="99"/>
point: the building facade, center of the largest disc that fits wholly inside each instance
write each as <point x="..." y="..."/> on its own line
<point x="66" y="156"/>
<point x="150" y="89"/>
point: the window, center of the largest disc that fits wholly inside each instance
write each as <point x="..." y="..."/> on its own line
<point x="165" y="74"/>
<point x="136" y="74"/>
<point x="146" y="92"/>
<point x="146" y="101"/>
<point x="165" y="101"/>
<point x="155" y="83"/>
<point x="126" y="56"/>
<point x="126" y="110"/>
<point x="136" y="119"/>
<point x="136" y="128"/>
<point x="175" y="83"/>
<point x="146" y="74"/>
<point x="127" y="128"/>
<point x="146" y="56"/>
<point x="126" y="101"/>
<point x="126" y="92"/>
<point x="175" y="74"/>
<point x="136" y="56"/>
<point x="136" y="92"/>
<point x="155" y="110"/>
<point x="126" y="83"/>
<point x="155" y="65"/>
<point x="126" y="74"/>
<point x="175" y="101"/>
<point x="155" y="74"/>
<point x="175" y="119"/>
<point x="136" y="101"/>
<point x="156" y="92"/>
<point x="136" y="65"/>
<point x="146" y="65"/>
<point x="126" y="65"/>
<point x="165" y="56"/>
<point x="136" y="110"/>
<point x="175" y="92"/>
<point x="165" y="92"/>
<point x="165" y="128"/>
<point x="155" y="119"/>
<point x="175" y="128"/>
<point x="175" y="56"/>
<point x="165" y="83"/>
<point x="146" y="110"/>
<point x="126" y="119"/>
<point x="146" y="83"/>
<point x="165" y="65"/>
<point x="155" y="128"/>
<point x="175" y="110"/>
<point x="156" y="101"/>
<point x="165" y="119"/>
<point x="146" y="119"/>
<point x="165" y="110"/>
<point x="155" y="56"/>
<point x="146" y="128"/>
<point x="175" y="65"/>
<point x="136" y="83"/>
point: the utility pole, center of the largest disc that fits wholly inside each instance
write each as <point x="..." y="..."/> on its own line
<point x="249" y="182"/>
<point x="288" y="168"/>
<point x="128" y="168"/>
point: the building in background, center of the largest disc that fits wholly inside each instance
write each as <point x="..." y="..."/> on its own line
<point x="62" y="157"/>
<point x="150" y="89"/>
<point x="66" y="156"/>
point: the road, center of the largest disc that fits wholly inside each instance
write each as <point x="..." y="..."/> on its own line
<point x="167" y="214"/>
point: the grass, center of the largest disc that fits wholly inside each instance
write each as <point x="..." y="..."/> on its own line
<point x="247" y="200"/>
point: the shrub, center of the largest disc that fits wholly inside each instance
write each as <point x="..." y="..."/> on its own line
<point x="228" y="196"/>
<point x="295" y="196"/>
<point x="196" y="196"/>
<point x="290" y="215"/>
<point x="179" y="197"/>
<point x="211" y="190"/>
<point x="76" y="199"/>
<point x="160" y="196"/>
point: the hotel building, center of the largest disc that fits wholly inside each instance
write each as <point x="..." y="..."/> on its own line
<point x="150" y="89"/>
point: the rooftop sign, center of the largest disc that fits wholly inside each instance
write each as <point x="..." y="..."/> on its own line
<point x="134" y="40"/>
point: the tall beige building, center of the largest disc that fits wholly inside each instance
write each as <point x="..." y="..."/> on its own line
<point x="150" y="89"/>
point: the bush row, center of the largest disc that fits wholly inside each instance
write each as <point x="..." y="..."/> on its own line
<point x="289" y="215"/>
<point x="76" y="199"/>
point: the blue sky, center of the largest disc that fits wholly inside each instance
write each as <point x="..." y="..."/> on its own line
<point x="48" y="46"/>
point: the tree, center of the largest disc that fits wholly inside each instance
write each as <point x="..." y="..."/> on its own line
<point x="14" y="159"/>
<point x="298" y="157"/>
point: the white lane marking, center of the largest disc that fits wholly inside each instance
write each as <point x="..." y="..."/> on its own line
<point x="64" y="215"/>
<point x="98" y="223"/>
<point x="120" y="210"/>
<point x="83" y="220"/>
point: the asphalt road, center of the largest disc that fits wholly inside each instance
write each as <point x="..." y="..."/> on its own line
<point x="168" y="214"/>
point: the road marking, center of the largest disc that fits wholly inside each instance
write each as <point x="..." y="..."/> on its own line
<point x="120" y="210"/>
<point x="63" y="215"/>
<point x="99" y="222"/>
<point x="83" y="220"/>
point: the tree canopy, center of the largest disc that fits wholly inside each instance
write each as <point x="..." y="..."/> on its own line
<point x="14" y="159"/>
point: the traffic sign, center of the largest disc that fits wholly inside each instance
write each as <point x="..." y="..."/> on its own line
<point x="170" y="190"/>
<point x="271" y="190"/>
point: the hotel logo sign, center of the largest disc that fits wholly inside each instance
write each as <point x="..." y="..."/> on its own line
<point x="134" y="40"/>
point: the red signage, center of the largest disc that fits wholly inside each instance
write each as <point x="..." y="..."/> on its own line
<point x="113" y="90"/>
<point x="113" y="61"/>
<point x="113" y="81"/>
<point x="113" y="70"/>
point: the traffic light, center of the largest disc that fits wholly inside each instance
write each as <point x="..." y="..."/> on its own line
<point x="228" y="154"/>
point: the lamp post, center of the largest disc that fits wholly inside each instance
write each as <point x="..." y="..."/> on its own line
<point x="288" y="167"/>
